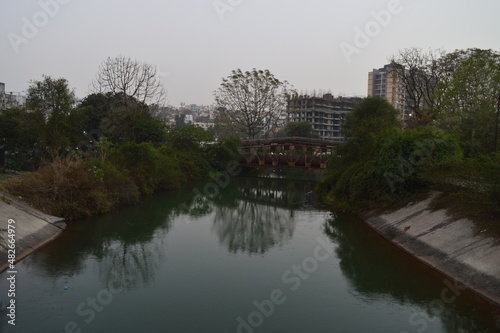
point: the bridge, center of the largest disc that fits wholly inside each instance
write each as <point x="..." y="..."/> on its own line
<point x="288" y="152"/>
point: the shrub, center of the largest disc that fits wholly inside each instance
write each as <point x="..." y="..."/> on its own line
<point x="65" y="188"/>
<point x="223" y="152"/>
<point x="390" y="170"/>
<point x="118" y="185"/>
<point x="141" y="163"/>
<point x="153" y="168"/>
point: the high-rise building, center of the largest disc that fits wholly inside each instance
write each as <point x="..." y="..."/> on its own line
<point x="386" y="83"/>
<point x="326" y="114"/>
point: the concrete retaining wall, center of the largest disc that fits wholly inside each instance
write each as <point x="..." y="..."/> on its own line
<point x="33" y="229"/>
<point x="452" y="247"/>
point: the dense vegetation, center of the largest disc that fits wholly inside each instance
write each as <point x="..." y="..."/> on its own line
<point x="449" y="143"/>
<point x="382" y="166"/>
<point x="108" y="150"/>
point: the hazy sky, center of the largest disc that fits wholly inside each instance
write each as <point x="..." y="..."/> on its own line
<point x="314" y="44"/>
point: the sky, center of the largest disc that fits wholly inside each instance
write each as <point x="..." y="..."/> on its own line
<point x="328" y="45"/>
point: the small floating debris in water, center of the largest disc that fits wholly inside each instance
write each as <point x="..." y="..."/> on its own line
<point x="67" y="288"/>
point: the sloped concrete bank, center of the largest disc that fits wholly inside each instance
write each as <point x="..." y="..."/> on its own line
<point x="450" y="246"/>
<point x="30" y="228"/>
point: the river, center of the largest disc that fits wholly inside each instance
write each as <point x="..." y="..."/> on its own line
<point x="245" y="255"/>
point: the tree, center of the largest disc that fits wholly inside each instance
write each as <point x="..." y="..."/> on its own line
<point x="130" y="78"/>
<point x="253" y="102"/>
<point x="369" y="118"/>
<point x="301" y="129"/>
<point x="467" y="97"/>
<point x="120" y="118"/>
<point x="419" y="73"/>
<point x="51" y="97"/>
<point x="55" y="101"/>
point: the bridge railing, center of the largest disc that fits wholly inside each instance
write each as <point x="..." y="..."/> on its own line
<point x="293" y="152"/>
<point x="292" y="141"/>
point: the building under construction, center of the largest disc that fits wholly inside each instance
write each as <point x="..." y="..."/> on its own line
<point x="326" y="114"/>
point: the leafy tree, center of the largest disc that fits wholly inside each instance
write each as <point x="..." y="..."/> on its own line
<point x="301" y="129"/>
<point x="253" y="101"/>
<point x="468" y="97"/>
<point x="51" y="97"/>
<point x="108" y="115"/>
<point x="130" y="78"/>
<point x="371" y="121"/>
<point x="55" y="101"/>
<point x="370" y="117"/>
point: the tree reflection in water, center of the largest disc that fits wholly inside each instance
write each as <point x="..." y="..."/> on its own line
<point x="376" y="270"/>
<point x="255" y="215"/>
<point x="250" y="215"/>
<point x="126" y="245"/>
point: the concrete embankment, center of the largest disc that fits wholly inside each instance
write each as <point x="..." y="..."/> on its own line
<point x="452" y="247"/>
<point x="33" y="229"/>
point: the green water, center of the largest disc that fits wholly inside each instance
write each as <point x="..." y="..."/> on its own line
<point x="249" y="255"/>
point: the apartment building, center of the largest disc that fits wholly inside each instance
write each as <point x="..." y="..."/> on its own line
<point x="326" y="114"/>
<point x="386" y="83"/>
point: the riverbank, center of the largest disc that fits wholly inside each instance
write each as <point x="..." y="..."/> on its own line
<point x="451" y="246"/>
<point x="31" y="229"/>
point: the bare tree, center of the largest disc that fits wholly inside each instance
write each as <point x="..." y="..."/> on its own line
<point x="253" y="101"/>
<point x="130" y="78"/>
<point x="420" y="72"/>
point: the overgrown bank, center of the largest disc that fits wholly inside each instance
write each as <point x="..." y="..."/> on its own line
<point x="383" y="167"/>
<point x="88" y="157"/>
<point x="76" y="188"/>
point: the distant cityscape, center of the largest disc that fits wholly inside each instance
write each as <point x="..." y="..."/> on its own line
<point x="325" y="112"/>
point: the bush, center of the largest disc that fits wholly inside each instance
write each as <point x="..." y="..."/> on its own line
<point x="65" y="188"/>
<point x="223" y="152"/>
<point x="121" y="188"/>
<point x="161" y="168"/>
<point x="389" y="171"/>
<point x="193" y="164"/>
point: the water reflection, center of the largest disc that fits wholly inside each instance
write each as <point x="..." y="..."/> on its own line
<point x="366" y="259"/>
<point x="251" y="215"/>
<point x="253" y="228"/>
<point x="255" y="215"/>
<point x="126" y="245"/>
